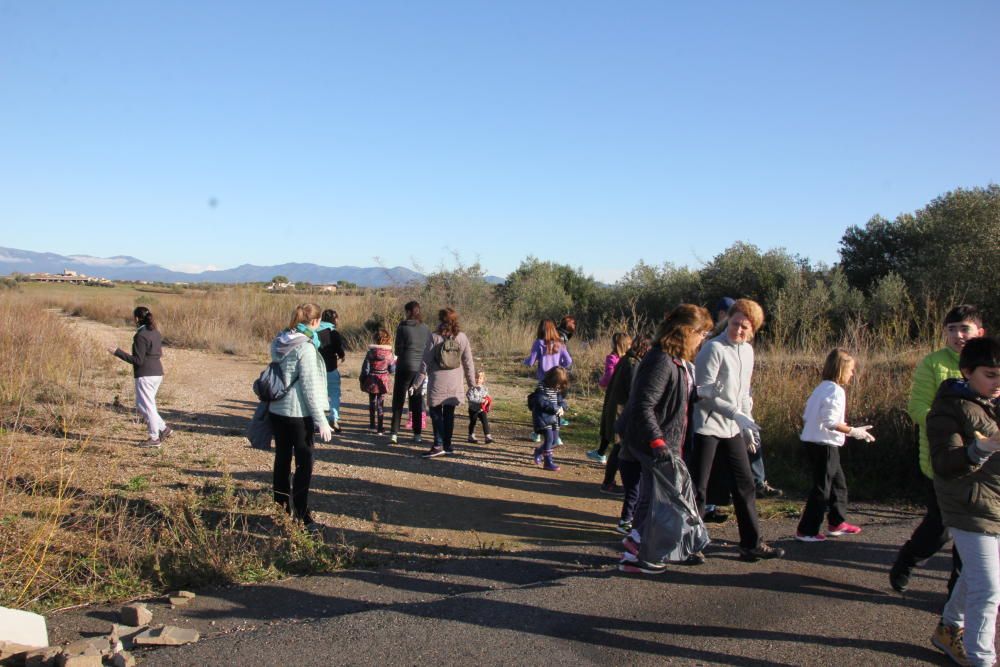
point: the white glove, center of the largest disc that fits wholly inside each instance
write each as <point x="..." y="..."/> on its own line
<point x="752" y="438"/>
<point x="988" y="445"/>
<point x="325" y="432"/>
<point x="560" y="412"/>
<point x="745" y="422"/>
<point x="409" y="390"/>
<point x="861" y="433"/>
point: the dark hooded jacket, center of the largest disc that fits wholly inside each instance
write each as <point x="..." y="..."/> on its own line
<point x="411" y="339"/>
<point x="966" y="480"/>
<point x="656" y="414"/>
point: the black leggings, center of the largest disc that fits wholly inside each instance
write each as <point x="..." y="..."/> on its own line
<point x="478" y="416"/>
<point x="375" y="411"/>
<point x="403" y="381"/>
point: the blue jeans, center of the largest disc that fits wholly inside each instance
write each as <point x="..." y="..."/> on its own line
<point x="333" y="392"/>
<point x="973" y="603"/>
<point x="443" y="421"/>
<point x="757" y="466"/>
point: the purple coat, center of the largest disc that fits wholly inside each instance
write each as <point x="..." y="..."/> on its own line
<point x="547" y="362"/>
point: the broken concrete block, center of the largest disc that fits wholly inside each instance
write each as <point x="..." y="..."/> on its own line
<point x="23" y="627"/>
<point x="180" y="602"/>
<point x="87" y="660"/>
<point x="88" y="646"/>
<point x="11" y="649"/>
<point x="168" y="635"/>
<point x="135" y="615"/>
<point x="42" y="657"/>
<point x="123" y="659"/>
<point x="183" y="594"/>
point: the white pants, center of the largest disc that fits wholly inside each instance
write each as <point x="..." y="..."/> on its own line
<point x="145" y="403"/>
<point x="973" y="603"/>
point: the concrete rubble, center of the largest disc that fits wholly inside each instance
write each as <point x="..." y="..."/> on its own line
<point x="107" y="650"/>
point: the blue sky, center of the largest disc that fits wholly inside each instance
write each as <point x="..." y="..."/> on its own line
<point x="591" y="133"/>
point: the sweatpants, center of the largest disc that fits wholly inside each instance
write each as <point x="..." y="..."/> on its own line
<point x="416" y="402"/>
<point x="828" y="496"/>
<point x="145" y="402"/>
<point x="973" y="603"/>
<point x="730" y="454"/>
<point x="293" y="437"/>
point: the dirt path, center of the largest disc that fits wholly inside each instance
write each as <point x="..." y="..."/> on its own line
<point x="486" y="498"/>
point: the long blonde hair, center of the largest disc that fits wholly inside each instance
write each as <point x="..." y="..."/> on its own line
<point x="304" y="314"/>
<point x="837" y="363"/>
<point x="620" y="342"/>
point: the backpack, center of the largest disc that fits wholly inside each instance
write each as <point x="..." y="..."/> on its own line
<point x="270" y="386"/>
<point x="448" y="354"/>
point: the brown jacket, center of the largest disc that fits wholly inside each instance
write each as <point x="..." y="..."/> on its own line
<point x="967" y="483"/>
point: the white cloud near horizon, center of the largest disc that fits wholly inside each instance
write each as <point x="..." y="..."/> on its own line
<point x="188" y="267"/>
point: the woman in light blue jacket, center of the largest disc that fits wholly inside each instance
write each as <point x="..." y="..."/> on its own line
<point x="299" y="413"/>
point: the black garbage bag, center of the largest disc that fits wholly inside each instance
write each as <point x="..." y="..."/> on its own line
<point x="673" y="530"/>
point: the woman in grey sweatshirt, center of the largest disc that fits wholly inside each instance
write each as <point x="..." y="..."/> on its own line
<point x="723" y="426"/>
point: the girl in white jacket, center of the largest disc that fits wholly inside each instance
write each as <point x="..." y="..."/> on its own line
<point x="822" y="436"/>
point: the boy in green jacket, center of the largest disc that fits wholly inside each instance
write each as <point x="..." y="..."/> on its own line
<point x="961" y="324"/>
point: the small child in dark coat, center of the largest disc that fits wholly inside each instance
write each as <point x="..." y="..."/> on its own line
<point x="547" y="406"/>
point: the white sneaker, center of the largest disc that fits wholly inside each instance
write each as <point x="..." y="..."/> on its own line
<point x="393" y="439"/>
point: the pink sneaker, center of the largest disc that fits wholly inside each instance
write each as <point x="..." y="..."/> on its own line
<point x="843" y="529"/>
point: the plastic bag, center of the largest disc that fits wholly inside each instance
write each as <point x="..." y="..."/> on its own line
<point x="673" y="530"/>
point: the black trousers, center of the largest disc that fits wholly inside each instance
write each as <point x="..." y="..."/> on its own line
<point x="631" y="477"/>
<point x="730" y="454"/>
<point x="293" y="437"/>
<point x="443" y="421"/>
<point x="612" y="466"/>
<point x="403" y="381"/>
<point x="928" y="538"/>
<point x="828" y="496"/>
<point x="478" y="416"/>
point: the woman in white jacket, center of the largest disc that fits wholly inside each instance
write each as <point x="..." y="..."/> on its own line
<point x="723" y="424"/>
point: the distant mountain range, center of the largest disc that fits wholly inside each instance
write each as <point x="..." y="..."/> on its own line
<point x="123" y="267"/>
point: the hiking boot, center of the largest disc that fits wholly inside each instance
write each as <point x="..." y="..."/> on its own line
<point x="948" y="638"/>
<point x="433" y="452"/>
<point x="472" y="439"/>
<point x="715" y="516"/>
<point x="538" y="457"/>
<point x="765" y="490"/>
<point x="150" y="443"/>
<point x="843" y="528"/>
<point x="899" y="577"/>
<point x="393" y="439"/>
<point x="624" y="527"/>
<point x="762" y="552"/>
<point x="488" y="440"/>
<point x="612" y="489"/>
<point x="166" y="433"/>
<point x="818" y="537"/>
<point x="596" y="456"/>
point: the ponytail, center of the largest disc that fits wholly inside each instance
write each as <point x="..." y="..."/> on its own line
<point x="304" y="314"/>
<point x="144" y="316"/>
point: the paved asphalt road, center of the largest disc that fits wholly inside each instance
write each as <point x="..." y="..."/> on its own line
<point x="825" y="604"/>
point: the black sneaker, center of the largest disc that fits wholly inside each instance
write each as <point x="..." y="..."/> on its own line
<point x="899" y="577"/>
<point x="166" y="433"/>
<point x="433" y="452"/>
<point x="765" y="490"/>
<point x="697" y="558"/>
<point x="715" y="516"/>
<point x="612" y="490"/>
<point x="488" y="440"/>
<point x="472" y="439"/>
<point x="762" y="552"/>
<point x="151" y="443"/>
